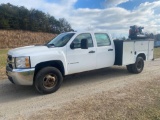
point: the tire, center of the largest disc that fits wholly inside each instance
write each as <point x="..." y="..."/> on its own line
<point x="129" y="68"/>
<point x="138" y="66"/>
<point x="48" y="80"/>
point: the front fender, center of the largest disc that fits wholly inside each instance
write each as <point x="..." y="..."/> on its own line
<point x="49" y="56"/>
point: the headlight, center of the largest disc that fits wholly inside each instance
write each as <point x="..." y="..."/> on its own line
<point x="22" y="62"/>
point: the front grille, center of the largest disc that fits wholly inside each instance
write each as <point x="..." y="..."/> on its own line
<point x="10" y="61"/>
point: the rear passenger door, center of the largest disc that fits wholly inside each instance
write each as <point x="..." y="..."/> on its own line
<point x="105" y="50"/>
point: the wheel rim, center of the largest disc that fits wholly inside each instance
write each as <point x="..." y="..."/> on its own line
<point x="50" y="81"/>
<point x="139" y="65"/>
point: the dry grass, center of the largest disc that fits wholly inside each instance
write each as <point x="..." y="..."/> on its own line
<point x="138" y="102"/>
<point x="17" y="38"/>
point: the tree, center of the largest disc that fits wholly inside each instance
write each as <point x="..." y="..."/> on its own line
<point x="4" y="24"/>
<point x="64" y="25"/>
<point x="14" y="17"/>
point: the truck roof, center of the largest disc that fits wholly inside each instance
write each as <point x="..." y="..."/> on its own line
<point x="88" y="32"/>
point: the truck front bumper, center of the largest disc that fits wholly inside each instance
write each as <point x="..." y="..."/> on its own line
<point x="20" y="76"/>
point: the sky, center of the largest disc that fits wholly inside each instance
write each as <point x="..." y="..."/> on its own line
<point x="113" y="16"/>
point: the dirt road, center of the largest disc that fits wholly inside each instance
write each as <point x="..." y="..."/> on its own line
<point x="25" y="101"/>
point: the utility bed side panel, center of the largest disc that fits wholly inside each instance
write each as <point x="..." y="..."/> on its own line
<point x="145" y="47"/>
<point x="128" y="53"/>
<point x="141" y="46"/>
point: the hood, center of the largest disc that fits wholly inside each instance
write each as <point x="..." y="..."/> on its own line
<point x="27" y="50"/>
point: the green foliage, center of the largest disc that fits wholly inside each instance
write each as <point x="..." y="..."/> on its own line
<point x="157" y="52"/>
<point x="20" y="18"/>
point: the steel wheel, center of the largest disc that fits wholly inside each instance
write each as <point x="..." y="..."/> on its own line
<point x="139" y="65"/>
<point x="49" y="81"/>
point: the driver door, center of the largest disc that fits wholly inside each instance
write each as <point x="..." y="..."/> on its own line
<point x="80" y="60"/>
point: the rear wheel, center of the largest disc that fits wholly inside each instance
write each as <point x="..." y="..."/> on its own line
<point x="138" y="66"/>
<point x="48" y="80"/>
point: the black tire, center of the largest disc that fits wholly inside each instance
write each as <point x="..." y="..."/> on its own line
<point x="138" y="66"/>
<point x="48" y="80"/>
<point x="129" y="68"/>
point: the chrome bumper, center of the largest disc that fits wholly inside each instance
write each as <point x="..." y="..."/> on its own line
<point x="20" y="76"/>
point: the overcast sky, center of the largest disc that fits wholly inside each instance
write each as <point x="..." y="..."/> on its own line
<point x="114" y="16"/>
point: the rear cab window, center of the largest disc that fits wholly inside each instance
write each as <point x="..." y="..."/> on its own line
<point x="102" y="39"/>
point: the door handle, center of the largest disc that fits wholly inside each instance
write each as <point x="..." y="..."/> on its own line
<point x="110" y="49"/>
<point x="92" y="51"/>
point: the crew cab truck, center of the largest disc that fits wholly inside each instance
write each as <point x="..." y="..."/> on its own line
<point x="44" y="66"/>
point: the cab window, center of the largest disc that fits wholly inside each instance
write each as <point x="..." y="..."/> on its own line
<point x="102" y="39"/>
<point x="77" y="40"/>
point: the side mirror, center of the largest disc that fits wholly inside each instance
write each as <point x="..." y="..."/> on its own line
<point x="72" y="46"/>
<point x="84" y="44"/>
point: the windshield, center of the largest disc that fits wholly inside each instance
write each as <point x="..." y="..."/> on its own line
<point x="61" y="40"/>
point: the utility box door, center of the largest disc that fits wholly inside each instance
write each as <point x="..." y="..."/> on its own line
<point x="141" y="46"/>
<point x="150" y="50"/>
<point x="128" y="53"/>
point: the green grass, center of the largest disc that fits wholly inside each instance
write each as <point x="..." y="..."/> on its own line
<point x="157" y="52"/>
<point x="3" y="57"/>
<point x="3" y="60"/>
<point x="3" y="51"/>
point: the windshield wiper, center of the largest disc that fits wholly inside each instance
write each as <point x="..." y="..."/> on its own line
<point x="50" y="45"/>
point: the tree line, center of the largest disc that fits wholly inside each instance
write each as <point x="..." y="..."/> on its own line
<point x="157" y="37"/>
<point x="20" y="18"/>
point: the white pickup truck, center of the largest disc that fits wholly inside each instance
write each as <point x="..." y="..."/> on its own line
<point x="73" y="52"/>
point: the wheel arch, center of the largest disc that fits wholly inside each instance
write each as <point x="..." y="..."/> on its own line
<point x="54" y="63"/>
<point x="142" y="55"/>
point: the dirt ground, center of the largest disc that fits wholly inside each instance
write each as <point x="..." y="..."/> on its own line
<point x="110" y="93"/>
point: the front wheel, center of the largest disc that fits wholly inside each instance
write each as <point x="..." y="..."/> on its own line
<point x="48" y="80"/>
